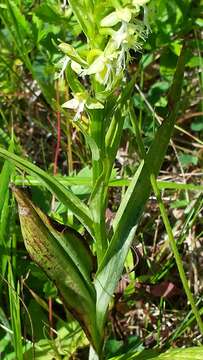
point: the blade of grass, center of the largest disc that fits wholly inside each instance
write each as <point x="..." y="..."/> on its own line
<point x="19" y="25"/>
<point x="5" y="212"/>
<point x="179" y="186"/>
<point x="5" y="177"/>
<point x="176" y="253"/>
<point x="188" y="224"/>
<point x="21" y="33"/>
<point x="79" y="180"/>
<point x="4" y="238"/>
<point x="15" y="315"/>
<point x="183" y="326"/>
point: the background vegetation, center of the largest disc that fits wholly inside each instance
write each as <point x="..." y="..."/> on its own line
<point x="150" y="309"/>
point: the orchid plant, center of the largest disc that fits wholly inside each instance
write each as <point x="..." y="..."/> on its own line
<point x="96" y="74"/>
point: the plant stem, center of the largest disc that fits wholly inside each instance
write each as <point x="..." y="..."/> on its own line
<point x="69" y="147"/>
<point x="136" y="129"/>
<point x="176" y="253"/>
<point x="58" y="115"/>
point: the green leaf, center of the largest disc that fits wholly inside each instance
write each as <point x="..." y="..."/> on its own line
<point x="73" y="81"/>
<point x="67" y="341"/>
<point x="85" y="173"/>
<point x="168" y="62"/>
<point x="5" y="178"/>
<point x="128" y="216"/>
<point x="54" y="254"/>
<point x="197" y="125"/>
<point x="195" y="61"/>
<point x="86" y="181"/>
<point x="78" y="208"/>
<point x="193" y="353"/>
<point x="119" y="347"/>
<point x="14" y="301"/>
<point x="50" y="13"/>
<point x="20" y="30"/>
<point x="21" y="23"/>
<point x="74" y="244"/>
<point x="132" y="205"/>
<point x="83" y="11"/>
<point x="187" y="159"/>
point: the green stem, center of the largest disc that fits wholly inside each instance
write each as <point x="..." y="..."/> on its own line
<point x="98" y="196"/>
<point x="176" y="253"/>
<point x="136" y="129"/>
<point x="97" y="133"/>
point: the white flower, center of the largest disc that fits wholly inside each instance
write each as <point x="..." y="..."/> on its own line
<point x="120" y="36"/>
<point x="102" y="67"/>
<point x="79" y="102"/>
<point x="123" y="14"/>
<point x="139" y="2"/>
<point x="76" y="67"/>
<point x="125" y="38"/>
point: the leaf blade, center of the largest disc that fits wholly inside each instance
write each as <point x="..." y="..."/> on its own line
<point x="46" y="250"/>
<point x="133" y="204"/>
<point x="79" y="209"/>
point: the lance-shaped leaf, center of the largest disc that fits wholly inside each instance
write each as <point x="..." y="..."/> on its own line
<point x="58" y="257"/>
<point x="86" y="21"/>
<point x="5" y="178"/>
<point x="133" y="203"/>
